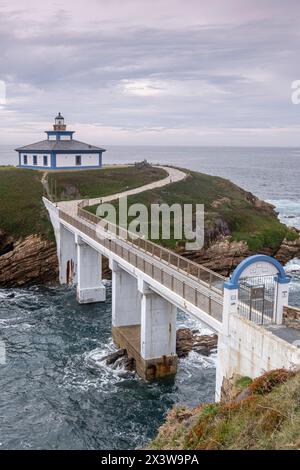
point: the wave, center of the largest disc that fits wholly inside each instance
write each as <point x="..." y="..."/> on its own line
<point x="289" y="211"/>
<point x="293" y="266"/>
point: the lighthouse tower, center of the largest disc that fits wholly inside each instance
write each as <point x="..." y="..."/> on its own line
<point x="59" y="123"/>
<point x="60" y="151"/>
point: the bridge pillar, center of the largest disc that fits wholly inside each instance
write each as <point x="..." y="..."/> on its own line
<point x="158" y="335"/>
<point x="89" y="277"/>
<point x="282" y="299"/>
<point x="230" y="307"/>
<point x="67" y="257"/>
<point x="126" y="299"/>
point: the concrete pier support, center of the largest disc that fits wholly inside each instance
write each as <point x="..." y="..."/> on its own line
<point x="67" y="257"/>
<point x="282" y="299"/>
<point x="144" y="324"/>
<point x="126" y="299"/>
<point x="158" y="334"/>
<point x="89" y="276"/>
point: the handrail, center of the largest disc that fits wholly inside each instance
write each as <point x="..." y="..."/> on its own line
<point x="209" y="302"/>
<point x="200" y="273"/>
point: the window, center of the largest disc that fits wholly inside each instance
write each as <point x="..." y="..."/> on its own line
<point x="78" y="160"/>
<point x="34" y="159"/>
<point x="45" y="160"/>
<point x="25" y="160"/>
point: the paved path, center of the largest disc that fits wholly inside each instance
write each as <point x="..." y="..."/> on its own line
<point x="174" y="175"/>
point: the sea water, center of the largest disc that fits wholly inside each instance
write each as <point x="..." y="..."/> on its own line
<point x="55" y="393"/>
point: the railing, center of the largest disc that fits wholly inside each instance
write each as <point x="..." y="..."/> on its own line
<point x="194" y="270"/>
<point x="198" y="294"/>
<point x="257" y="299"/>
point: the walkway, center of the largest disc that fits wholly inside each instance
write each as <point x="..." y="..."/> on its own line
<point x="174" y="175"/>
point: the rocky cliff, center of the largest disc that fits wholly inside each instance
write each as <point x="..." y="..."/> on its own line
<point x="263" y="414"/>
<point x="34" y="260"/>
<point x="25" y="262"/>
<point x="237" y="224"/>
<point x="223" y="255"/>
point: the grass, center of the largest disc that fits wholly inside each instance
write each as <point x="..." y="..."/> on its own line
<point x="97" y="183"/>
<point x="22" y="212"/>
<point x="227" y="208"/>
<point x="267" y="419"/>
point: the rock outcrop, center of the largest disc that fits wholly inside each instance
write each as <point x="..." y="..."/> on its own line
<point x="190" y="340"/>
<point x="289" y="249"/>
<point x="222" y="256"/>
<point x="29" y="261"/>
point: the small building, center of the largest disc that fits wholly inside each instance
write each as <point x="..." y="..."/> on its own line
<point x="60" y="151"/>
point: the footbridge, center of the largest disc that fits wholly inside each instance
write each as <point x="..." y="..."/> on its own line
<point x="150" y="282"/>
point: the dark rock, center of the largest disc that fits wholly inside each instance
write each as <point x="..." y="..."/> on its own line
<point x="112" y="358"/>
<point x="10" y="296"/>
<point x="31" y="261"/>
<point x="187" y="341"/>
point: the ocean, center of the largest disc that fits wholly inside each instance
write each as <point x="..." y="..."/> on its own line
<point x="53" y="396"/>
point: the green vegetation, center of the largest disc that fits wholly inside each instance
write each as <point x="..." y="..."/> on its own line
<point x="242" y="382"/>
<point x="291" y="235"/>
<point x="268" y="417"/>
<point x="228" y="210"/>
<point x="22" y="212"/>
<point x="67" y="185"/>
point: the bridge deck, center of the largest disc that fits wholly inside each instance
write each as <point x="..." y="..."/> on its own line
<point x="191" y="281"/>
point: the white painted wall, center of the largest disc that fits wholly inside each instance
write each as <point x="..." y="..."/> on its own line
<point x="250" y="350"/>
<point x="69" y="160"/>
<point x="89" y="274"/>
<point x="67" y="256"/>
<point x="126" y="299"/>
<point x="158" y="324"/>
<point x="40" y="159"/>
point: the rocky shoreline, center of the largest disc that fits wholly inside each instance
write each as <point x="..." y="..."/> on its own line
<point x="34" y="259"/>
<point x="187" y="340"/>
<point x="27" y="262"/>
<point x="224" y="255"/>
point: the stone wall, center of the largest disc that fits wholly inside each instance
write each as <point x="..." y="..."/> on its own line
<point x="291" y="317"/>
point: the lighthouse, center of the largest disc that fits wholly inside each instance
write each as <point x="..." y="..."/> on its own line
<point x="60" y="151"/>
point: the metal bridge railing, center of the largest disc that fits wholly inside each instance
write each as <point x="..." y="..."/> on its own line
<point x="210" y="302"/>
<point x="257" y="299"/>
<point x="200" y="273"/>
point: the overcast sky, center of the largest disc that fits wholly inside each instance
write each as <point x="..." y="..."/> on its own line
<point x="160" y="72"/>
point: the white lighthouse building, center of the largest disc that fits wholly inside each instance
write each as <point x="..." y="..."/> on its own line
<point x="60" y="151"/>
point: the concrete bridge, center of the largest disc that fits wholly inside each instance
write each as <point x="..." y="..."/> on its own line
<point x="149" y="283"/>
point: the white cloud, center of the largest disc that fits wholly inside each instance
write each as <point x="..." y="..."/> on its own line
<point x="173" y="73"/>
<point x="175" y="88"/>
